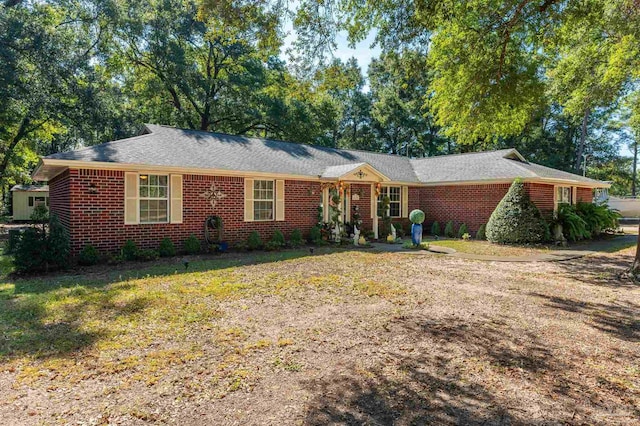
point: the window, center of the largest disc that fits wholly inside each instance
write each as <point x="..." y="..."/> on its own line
<point x="263" y="198"/>
<point x="154" y="198"/>
<point x="30" y="201"/>
<point x="40" y="201"/>
<point x="393" y="192"/>
<point x="563" y="195"/>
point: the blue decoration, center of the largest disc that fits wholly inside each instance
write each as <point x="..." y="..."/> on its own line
<point x="416" y="234"/>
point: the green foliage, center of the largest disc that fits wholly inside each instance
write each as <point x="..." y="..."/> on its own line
<point x="384" y="214"/>
<point x="39" y="250"/>
<point x="516" y="219"/>
<point x="192" y="245"/>
<point x="12" y="241"/>
<point x="296" y="238"/>
<point x="148" y="254"/>
<point x="598" y="217"/>
<point x="130" y="250"/>
<point x="254" y="242"/>
<point x="166" y="249"/>
<point x="481" y="234"/>
<point x="449" y="231"/>
<point x="416" y="216"/>
<point x="40" y="214"/>
<point x="586" y="220"/>
<point x="466" y="236"/>
<point x="315" y="235"/>
<point x="463" y="230"/>
<point x="89" y="256"/>
<point x="277" y="241"/>
<point x="435" y="229"/>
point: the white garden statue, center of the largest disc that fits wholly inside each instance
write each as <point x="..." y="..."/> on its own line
<point x="356" y="235"/>
<point x="336" y="233"/>
<point x="393" y="232"/>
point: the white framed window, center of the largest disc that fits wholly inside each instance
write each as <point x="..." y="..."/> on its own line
<point x="395" y="200"/>
<point x="153" y="191"/>
<point x="263" y="200"/>
<point x="563" y="195"/>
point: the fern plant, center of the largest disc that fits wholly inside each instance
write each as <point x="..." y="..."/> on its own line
<point x="574" y="227"/>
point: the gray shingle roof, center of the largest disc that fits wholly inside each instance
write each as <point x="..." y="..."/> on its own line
<point x="30" y="188"/>
<point x="168" y="146"/>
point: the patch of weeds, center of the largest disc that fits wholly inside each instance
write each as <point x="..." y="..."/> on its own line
<point x="287" y="364"/>
<point x="260" y="344"/>
<point x="388" y="291"/>
<point x="282" y="342"/>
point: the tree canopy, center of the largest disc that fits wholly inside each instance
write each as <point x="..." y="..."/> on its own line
<point x="558" y="80"/>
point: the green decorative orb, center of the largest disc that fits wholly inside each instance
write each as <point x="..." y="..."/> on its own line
<point x="416" y="216"/>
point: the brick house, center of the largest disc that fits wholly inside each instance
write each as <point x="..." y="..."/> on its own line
<point x="167" y="181"/>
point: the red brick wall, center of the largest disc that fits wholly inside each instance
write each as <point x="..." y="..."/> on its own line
<point x="364" y="204"/>
<point x="59" y="201"/>
<point x="90" y="203"/>
<point x="585" y="195"/>
<point x="473" y="204"/>
<point x="98" y="218"/>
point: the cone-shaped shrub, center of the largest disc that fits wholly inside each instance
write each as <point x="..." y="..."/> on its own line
<point x="463" y="230"/>
<point x="435" y="229"/>
<point x="481" y="234"/>
<point x="516" y="219"/>
<point x="449" y="232"/>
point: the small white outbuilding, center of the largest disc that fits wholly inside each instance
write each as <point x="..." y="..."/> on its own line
<point x="26" y="197"/>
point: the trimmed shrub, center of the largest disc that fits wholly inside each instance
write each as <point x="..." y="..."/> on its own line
<point x="129" y="250"/>
<point x="148" y="254"/>
<point x="38" y="250"/>
<point x="278" y="238"/>
<point x="12" y="241"/>
<point x="516" y="219"/>
<point x="296" y="238"/>
<point x="449" y="231"/>
<point x="254" y="242"/>
<point x="481" y="234"/>
<point x="166" y="249"/>
<point x="315" y="235"/>
<point x="192" y="245"/>
<point x="435" y="229"/>
<point x="463" y="230"/>
<point x="416" y="216"/>
<point x="89" y="256"/>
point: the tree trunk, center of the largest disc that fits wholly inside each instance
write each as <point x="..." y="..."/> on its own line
<point x="22" y="132"/>
<point x="635" y="269"/>
<point x="635" y="168"/>
<point x="583" y="138"/>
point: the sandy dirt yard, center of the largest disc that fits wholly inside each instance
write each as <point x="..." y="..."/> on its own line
<point x="330" y="338"/>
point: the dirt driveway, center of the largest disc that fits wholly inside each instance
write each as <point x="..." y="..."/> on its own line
<point x="333" y="338"/>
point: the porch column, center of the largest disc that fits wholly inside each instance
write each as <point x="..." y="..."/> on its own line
<point x="374" y="210"/>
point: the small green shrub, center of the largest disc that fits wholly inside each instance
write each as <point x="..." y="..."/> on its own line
<point x="240" y="246"/>
<point x="89" y="256"/>
<point x="166" y="249"/>
<point x="40" y="214"/>
<point x="466" y="236"/>
<point x="435" y="229"/>
<point x="272" y="246"/>
<point x="115" y="259"/>
<point x="463" y="230"/>
<point x="480" y="235"/>
<point x="516" y="219"/>
<point x="315" y="235"/>
<point x="39" y="250"/>
<point x="12" y="241"/>
<point x="449" y="231"/>
<point x="254" y="242"/>
<point x="148" y="254"/>
<point x="598" y="217"/>
<point x="416" y="216"/>
<point x="278" y="238"/>
<point x="129" y="250"/>
<point x="296" y="238"/>
<point x="192" y="245"/>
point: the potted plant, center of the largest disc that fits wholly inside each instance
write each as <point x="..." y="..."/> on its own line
<point x="416" y="217"/>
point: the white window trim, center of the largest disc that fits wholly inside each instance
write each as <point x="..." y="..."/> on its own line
<point x="167" y="199"/>
<point x="556" y="200"/>
<point x="385" y="191"/>
<point x="273" y="200"/>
